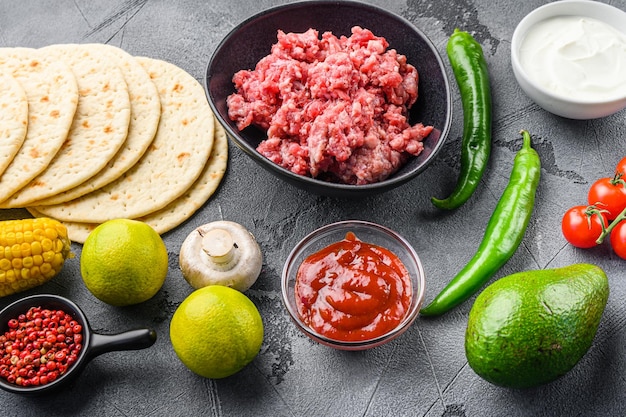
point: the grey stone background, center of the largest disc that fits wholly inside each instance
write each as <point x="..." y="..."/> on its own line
<point x="424" y="372"/>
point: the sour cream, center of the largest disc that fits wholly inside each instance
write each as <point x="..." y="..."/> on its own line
<point x="578" y="57"/>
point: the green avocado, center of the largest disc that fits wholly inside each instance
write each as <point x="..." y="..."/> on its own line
<point x="530" y="328"/>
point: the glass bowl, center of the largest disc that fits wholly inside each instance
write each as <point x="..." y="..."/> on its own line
<point x="367" y="232"/>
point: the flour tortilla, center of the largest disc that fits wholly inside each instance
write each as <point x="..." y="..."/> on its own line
<point x="52" y="94"/>
<point x="145" y="112"/>
<point x="168" y="168"/>
<point x="98" y="130"/>
<point x="13" y="118"/>
<point x="186" y="205"/>
<point x="180" y="209"/>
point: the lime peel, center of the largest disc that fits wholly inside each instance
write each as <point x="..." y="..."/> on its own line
<point x="216" y="331"/>
<point x="124" y="262"/>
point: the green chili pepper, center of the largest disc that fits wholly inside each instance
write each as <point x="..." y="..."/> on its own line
<point x="504" y="232"/>
<point x="470" y="70"/>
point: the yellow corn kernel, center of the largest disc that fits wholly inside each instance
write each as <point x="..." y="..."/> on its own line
<point x="48" y="256"/>
<point x="51" y="233"/>
<point x="25" y="275"/>
<point x="45" y="268"/>
<point x="28" y="262"/>
<point x="32" y="251"/>
<point x="10" y="238"/>
<point x="10" y="276"/>
<point x="16" y="251"/>
<point x="5" y="264"/>
<point x="35" y="248"/>
<point x="35" y="271"/>
<point x="16" y="263"/>
<point x="46" y="244"/>
<point x="25" y="249"/>
<point x="28" y="236"/>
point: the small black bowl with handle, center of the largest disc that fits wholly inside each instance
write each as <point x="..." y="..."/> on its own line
<point x="94" y="344"/>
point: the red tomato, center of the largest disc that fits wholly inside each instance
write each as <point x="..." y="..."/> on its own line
<point x="581" y="226"/>
<point x="608" y="194"/>
<point x="621" y="167"/>
<point x="618" y="239"/>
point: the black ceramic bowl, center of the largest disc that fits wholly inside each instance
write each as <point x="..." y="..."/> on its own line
<point x="94" y="344"/>
<point x="251" y="40"/>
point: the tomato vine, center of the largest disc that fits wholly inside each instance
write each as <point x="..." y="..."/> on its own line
<point x="588" y="226"/>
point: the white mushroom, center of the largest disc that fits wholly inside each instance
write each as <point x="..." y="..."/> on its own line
<point x="221" y="253"/>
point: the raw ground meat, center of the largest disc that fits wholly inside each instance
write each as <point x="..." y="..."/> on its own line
<point x="334" y="108"/>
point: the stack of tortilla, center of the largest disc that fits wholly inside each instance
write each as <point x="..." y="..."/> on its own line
<point x="89" y="133"/>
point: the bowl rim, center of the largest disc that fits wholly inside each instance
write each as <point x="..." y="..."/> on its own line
<point x="555" y="9"/>
<point x="69" y="307"/>
<point x="418" y="286"/>
<point x="394" y="180"/>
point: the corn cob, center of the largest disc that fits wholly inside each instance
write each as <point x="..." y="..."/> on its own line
<point x="32" y="251"/>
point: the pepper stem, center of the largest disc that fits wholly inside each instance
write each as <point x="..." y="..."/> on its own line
<point x="219" y="245"/>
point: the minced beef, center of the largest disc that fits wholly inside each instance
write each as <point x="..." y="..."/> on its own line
<point x="334" y="108"/>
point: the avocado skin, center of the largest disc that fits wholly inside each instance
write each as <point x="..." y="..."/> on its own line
<point x="532" y="327"/>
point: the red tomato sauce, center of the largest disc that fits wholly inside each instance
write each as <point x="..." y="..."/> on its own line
<point x="352" y="290"/>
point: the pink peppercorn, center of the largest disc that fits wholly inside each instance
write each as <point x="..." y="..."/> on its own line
<point x="39" y="347"/>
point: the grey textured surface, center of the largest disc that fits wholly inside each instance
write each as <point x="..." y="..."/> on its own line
<point x="424" y="372"/>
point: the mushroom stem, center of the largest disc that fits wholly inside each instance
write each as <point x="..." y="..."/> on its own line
<point x="221" y="253"/>
<point x="219" y="245"/>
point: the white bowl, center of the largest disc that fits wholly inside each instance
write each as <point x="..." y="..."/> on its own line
<point x="558" y="103"/>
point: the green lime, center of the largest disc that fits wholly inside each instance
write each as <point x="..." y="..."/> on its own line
<point x="216" y="331"/>
<point x="124" y="262"/>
